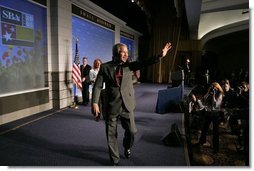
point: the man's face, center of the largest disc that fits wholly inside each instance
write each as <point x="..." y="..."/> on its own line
<point x="85" y="61"/>
<point x="226" y="87"/>
<point x="123" y="54"/>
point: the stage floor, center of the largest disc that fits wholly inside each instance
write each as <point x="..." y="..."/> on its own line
<point x="71" y="137"/>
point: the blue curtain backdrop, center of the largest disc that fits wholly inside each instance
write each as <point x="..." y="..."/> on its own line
<point x="94" y="41"/>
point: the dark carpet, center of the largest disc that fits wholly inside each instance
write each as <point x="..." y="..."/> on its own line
<point x="228" y="154"/>
<point x="71" y="137"/>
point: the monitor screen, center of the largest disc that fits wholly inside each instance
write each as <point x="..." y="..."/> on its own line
<point x="23" y="45"/>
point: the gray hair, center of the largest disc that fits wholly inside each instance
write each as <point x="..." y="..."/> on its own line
<point x="116" y="49"/>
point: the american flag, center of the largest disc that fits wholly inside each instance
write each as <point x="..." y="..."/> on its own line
<point x="76" y="74"/>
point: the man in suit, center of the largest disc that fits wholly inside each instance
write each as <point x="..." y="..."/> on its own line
<point x="85" y="69"/>
<point x="120" y="99"/>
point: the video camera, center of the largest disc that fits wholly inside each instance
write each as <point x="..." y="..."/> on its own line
<point x="239" y="89"/>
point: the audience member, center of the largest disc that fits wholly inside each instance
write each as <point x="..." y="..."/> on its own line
<point x="204" y="79"/>
<point x="212" y="101"/>
<point x="229" y="99"/>
<point x="239" y="120"/>
<point x="243" y="95"/>
<point x="229" y="102"/>
<point x="196" y="107"/>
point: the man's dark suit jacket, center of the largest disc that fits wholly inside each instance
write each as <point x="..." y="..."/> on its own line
<point x="118" y="97"/>
<point x="85" y="73"/>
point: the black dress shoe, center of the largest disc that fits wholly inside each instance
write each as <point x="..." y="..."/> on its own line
<point x="127" y="152"/>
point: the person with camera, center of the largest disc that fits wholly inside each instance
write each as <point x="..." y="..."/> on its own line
<point x="212" y="101"/>
<point x="241" y="112"/>
<point x="239" y="120"/>
<point x="243" y="95"/>
<point x="196" y="107"/>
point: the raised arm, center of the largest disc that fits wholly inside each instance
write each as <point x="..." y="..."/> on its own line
<point x="136" y="65"/>
<point x="165" y="50"/>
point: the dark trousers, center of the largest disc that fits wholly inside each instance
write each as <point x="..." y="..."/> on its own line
<point x="214" y="118"/>
<point x="111" y="132"/>
<point x="102" y="103"/>
<point x="85" y="93"/>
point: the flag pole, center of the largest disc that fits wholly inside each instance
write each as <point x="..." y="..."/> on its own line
<point x="76" y="77"/>
<point x="75" y="97"/>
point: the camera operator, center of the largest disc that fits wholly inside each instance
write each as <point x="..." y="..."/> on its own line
<point x="196" y="107"/>
<point x="243" y="95"/>
<point x="212" y="100"/>
<point x="239" y="120"/>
